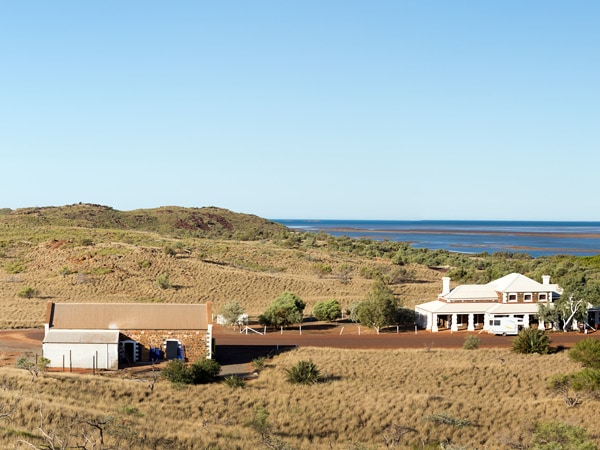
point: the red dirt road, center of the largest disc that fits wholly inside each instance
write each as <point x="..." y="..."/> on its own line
<point x="16" y="342"/>
<point x="387" y="340"/>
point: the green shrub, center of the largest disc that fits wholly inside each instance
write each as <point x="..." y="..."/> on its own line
<point x="177" y="372"/>
<point x="28" y="292"/>
<point x="304" y="372"/>
<point x="586" y="380"/>
<point x="200" y="372"/>
<point x="557" y="435"/>
<point x="64" y="271"/>
<point x="329" y="310"/>
<point x="587" y="352"/>
<point x="163" y="281"/>
<point x="144" y="264"/>
<point x="284" y="310"/>
<point x="234" y="382"/>
<point x="531" y="340"/>
<point x="472" y="342"/>
<point x="259" y="363"/>
<point x="15" y="267"/>
<point x="204" y="371"/>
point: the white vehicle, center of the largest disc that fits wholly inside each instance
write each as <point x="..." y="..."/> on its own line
<point x="504" y="326"/>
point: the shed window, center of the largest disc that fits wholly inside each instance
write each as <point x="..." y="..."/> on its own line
<point x="512" y="297"/>
<point x="542" y="297"/>
<point x="527" y="297"/>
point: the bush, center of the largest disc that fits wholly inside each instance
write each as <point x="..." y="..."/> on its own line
<point x="472" y="342"/>
<point x="284" y="310"/>
<point x="557" y="435"/>
<point x="28" y="292"/>
<point x="204" y="371"/>
<point x="327" y="311"/>
<point x="305" y="372"/>
<point x="587" y="352"/>
<point x="15" y="267"/>
<point x="163" y="281"/>
<point x="586" y="380"/>
<point x="531" y="340"/>
<point x="259" y="363"/>
<point x="201" y="372"/>
<point x="234" y="382"/>
<point x="177" y="372"/>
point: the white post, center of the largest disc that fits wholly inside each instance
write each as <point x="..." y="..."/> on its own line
<point x="434" y="323"/>
<point x="471" y="325"/>
<point x="454" y="325"/>
<point x="359" y="330"/>
<point x="282" y="330"/>
<point x="300" y="329"/>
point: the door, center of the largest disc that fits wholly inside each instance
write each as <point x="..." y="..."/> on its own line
<point x="171" y="350"/>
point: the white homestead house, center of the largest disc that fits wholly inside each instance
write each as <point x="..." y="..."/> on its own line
<point x="476" y="306"/>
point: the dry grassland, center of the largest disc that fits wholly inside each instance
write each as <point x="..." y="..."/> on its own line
<point x="497" y="395"/>
<point x="253" y="273"/>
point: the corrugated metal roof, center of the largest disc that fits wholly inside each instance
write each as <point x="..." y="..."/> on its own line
<point x="515" y="282"/>
<point x="54" y="336"/>
<point x="471" y="292"/>
<point x="129" y="316"/>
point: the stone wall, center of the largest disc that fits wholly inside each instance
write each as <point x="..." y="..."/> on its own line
<point x="193" y="341"/>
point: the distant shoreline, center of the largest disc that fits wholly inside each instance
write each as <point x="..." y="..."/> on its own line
<point x="478" y="232"/>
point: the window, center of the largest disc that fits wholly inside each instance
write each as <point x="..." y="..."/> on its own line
<point x="527" y="297"/>
<point x="542" y="297"/>
<point x="512" y="297"/>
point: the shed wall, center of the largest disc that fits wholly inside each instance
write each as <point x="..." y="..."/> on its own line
<point x="82" y="355"/>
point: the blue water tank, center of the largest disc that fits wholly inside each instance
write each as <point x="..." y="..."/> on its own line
<point x="180" y="352"/>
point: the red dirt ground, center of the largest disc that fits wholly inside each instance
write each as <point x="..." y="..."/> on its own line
<point x="14" y="343"/>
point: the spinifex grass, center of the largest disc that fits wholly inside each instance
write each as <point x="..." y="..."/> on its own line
<point x="484" y="399"/>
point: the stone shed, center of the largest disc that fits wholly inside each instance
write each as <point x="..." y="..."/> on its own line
<point x="113" y="335"/>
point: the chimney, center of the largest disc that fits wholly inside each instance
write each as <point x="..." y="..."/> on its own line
<point x="445" y="285"/>
<point x="545" y="280"/>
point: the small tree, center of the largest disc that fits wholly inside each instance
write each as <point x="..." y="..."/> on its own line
<point x="380" y="309"/>
<point x="328" y="310"/>
<point x="33" y="366"/>
<point x="285" y="310"/>
<point x="587" y="352"/>
<point x="531" y="340"/>
<point x="232" y="312"/>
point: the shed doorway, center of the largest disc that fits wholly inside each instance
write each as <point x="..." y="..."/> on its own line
<point x="128" y="352"/>
<point x="173" y="349"/>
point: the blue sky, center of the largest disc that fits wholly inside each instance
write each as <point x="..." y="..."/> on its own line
<point x="397" y="109"/>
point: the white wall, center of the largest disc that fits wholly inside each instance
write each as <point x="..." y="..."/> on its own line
<point x="81" y="356"/>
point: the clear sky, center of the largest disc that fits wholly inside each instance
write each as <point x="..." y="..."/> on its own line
<point x="325" y="109"/>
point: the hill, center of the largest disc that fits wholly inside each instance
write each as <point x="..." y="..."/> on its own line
<point x="171" y="220"/>
<point x="92" y="253"/>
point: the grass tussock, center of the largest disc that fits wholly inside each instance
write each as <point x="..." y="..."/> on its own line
<point x="409" y="397"/>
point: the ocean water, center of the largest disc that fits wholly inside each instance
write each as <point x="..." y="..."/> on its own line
<point x="534" y="238"/>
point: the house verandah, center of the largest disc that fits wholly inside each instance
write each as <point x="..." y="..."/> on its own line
<point x="473" y="307"/>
